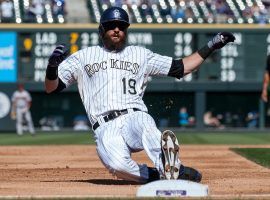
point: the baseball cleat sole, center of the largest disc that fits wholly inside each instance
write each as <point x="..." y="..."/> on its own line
<point x="170" y="151"/>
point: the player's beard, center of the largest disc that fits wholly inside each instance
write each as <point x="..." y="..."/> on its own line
<point x="115" y="44"/>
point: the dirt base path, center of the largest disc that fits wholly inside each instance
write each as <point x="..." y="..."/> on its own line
<point x="75" y="171"/>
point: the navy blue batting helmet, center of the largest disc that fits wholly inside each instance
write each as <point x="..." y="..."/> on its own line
<point x="115" y="14"/>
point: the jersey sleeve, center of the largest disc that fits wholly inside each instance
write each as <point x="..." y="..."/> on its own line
<point x="68" y="69"/>
<point x="158" y="64"/>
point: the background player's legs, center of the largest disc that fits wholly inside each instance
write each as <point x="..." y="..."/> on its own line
<point x="19" y="122"/>
<point x="115" y="154"/>
<point x="29" y="122"/>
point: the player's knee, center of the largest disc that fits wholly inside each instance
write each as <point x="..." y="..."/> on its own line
<point x="114" y="162"/>
<point x="122" y="165"/>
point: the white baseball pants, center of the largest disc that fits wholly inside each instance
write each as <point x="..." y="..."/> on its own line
<point x="118" y="138"/>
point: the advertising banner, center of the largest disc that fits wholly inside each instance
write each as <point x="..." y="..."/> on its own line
<point x="8" y="57"/>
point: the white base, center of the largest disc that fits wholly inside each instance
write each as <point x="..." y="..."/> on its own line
<point x="172" y="188"/>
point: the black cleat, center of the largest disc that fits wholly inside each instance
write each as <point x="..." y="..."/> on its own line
<point x="153" y="174"/>
<point x="190" y="174"/>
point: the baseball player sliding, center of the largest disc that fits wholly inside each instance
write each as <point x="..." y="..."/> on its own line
<point x="111" y="81"/>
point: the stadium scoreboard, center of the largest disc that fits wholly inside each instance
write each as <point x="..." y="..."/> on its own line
<point x="241" y="61"/>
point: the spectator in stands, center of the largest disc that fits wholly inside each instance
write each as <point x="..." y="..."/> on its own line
<point x="262" y="17"/>
<point x="146" y="8"/>
<point x="255" y="9"/>
<point x="106" y="2"/>
<point x="80" y="123"/>
<point x="222" y="11"/>
<point x="189" y="13"/>
<point x="177" y="12"/>
<point x="129" y="3"/>
<point x="165" y="10"/>
<point x="153" y="2"/>
<point x="252" y="119"/>
<point x="6" y="9"/>
<point x="49" y="124"/>
<point x="211" y="121"/>
<point x="247" y="13"/>
<point x="183" y="117"/>
<point x="118" y="3"/>
<point x="36" y="8"/>
<point x="266" y="3"/>
<point x="58" y="8"/>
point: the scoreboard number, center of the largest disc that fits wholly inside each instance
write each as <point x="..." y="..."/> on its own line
<point x="182" y="48"/>
<point x="229" y="53"/>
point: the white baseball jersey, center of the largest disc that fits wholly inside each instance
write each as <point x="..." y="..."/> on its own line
<point x="21" y="99"/>
<point x="112" y="81"/>
<point x="109" y="81"/>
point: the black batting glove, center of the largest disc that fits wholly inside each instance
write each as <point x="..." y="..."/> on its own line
<point x="59" y="54"/>
<point x="220" y="40"/>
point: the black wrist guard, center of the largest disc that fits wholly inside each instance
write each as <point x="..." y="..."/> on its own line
<point x="205" y="51"/>
<point x="51" y="73"/>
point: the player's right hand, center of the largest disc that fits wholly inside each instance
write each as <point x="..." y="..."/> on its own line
<point x="220" y="40"/>
<point x="59" y="54"/>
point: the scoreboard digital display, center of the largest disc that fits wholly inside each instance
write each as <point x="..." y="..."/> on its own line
<point x="36" y="47"/>
<point x="241" y="61"/>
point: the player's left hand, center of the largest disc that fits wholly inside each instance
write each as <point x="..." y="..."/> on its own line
<point x="220" y="40"/>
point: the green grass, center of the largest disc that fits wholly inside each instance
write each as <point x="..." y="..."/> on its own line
<point x="260" y="156"/>
<point x="50" y="138"/>
<point x="54" y="138"/>
<point x="224" y="138"/>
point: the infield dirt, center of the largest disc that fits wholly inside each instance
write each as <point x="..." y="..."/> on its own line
<point x="76" y="171"/>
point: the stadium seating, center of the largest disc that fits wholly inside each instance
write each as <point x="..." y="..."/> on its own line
<point x="151" y="11"/>
<point x="37" y="11"/>
<point x="189" y="11"/>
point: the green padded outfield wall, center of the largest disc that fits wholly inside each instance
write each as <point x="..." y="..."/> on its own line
<point x="236" y="68"/>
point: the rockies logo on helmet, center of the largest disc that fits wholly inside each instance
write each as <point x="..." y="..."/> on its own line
<point x="116" y="14"/>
